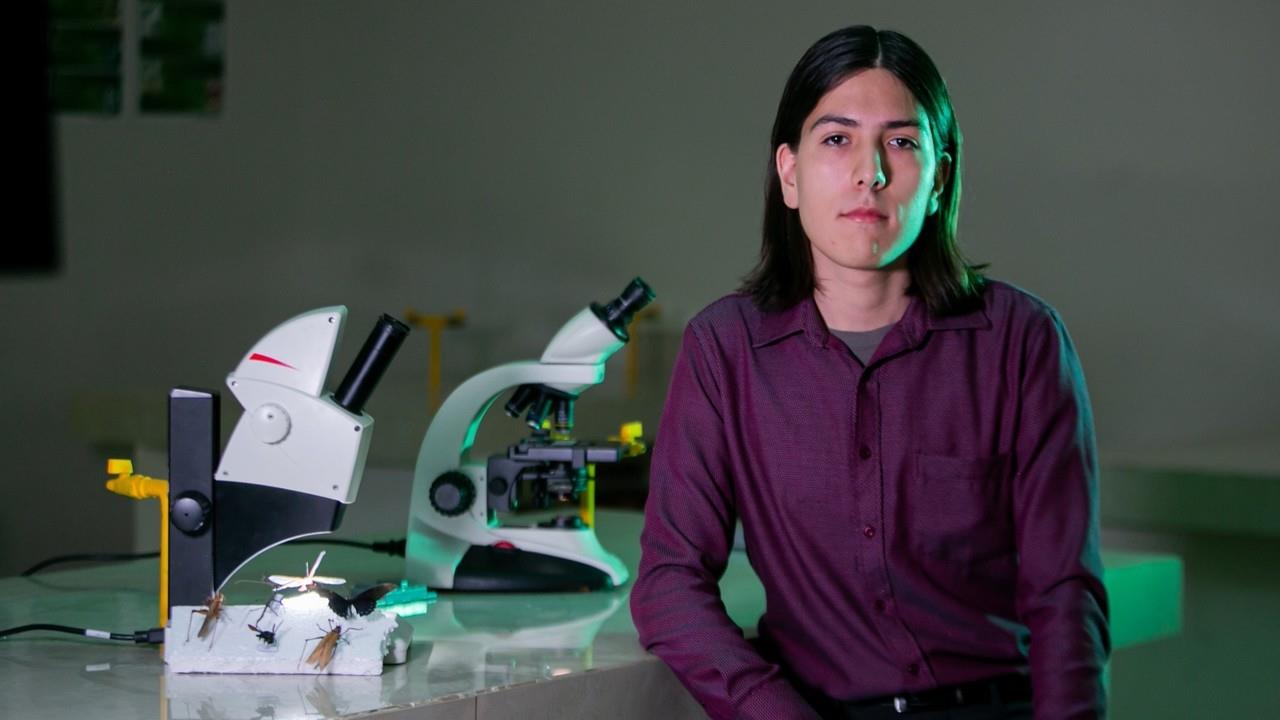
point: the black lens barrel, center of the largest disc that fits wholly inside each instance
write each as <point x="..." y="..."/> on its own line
<point x="367" y="369"/>
<point x="617" y="313"/>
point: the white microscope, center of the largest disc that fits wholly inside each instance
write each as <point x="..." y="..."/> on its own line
<point x="294" y="460"/>
<point x="455" y="539"/>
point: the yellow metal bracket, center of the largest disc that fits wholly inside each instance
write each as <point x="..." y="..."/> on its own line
<point x="435" y="325"/>
<point x="631" y="435"/>
<point x="140" y="487"/>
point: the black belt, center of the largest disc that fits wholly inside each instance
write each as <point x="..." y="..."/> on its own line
<point x="1014" y="688"/>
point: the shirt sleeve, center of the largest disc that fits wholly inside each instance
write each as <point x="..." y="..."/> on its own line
<point x="1060" y="595"/>
<point x="685" y="545"/>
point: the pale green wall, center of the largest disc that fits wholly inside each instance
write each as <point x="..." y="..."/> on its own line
<point x="520" y="159"/>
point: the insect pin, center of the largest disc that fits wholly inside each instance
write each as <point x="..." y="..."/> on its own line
<point x="305" y="582"/>
<point x="358" y="606"/>
<point x="211" y="611"/>
<point x="322" y="654"/>
<point x="273" y="606"/>
<point x="266" y="636"/>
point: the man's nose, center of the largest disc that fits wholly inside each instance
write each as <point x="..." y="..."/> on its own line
<point x="869" y="169"/>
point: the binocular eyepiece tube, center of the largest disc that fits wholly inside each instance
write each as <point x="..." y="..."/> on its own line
<point x="367" y="369"/>
<point x="617" y="313"/>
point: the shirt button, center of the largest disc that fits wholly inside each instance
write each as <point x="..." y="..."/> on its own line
<point x="913" y="669"/>
<point x="864" y="452"/>
<point x="869" y="531"/>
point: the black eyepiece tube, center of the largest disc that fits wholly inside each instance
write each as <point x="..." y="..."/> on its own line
<point x="617" y="313"/>
<point x="367" y="369"/>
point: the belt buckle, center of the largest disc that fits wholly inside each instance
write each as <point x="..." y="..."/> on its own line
<point x="902" y="705"/>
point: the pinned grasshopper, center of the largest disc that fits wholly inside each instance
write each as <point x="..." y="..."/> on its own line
<point x="322" y="654"/>
<point x="212" y="612"/>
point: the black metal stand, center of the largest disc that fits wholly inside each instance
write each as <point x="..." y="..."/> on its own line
<point x="194" y="448"/>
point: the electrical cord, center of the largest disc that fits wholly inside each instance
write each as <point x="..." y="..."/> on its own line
<point x="154" y="636"/>
<point x="386" y="547"/>
<point x="90" y="557"/>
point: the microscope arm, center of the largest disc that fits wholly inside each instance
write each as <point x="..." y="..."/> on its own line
<point x="448" y="441"/>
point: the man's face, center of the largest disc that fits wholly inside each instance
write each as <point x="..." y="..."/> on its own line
<point x="864" y="174"/>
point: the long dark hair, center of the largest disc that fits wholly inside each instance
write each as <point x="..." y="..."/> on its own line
<point x="939" y="273"/>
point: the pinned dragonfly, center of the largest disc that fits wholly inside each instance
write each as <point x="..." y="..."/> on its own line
<point x="305" y="582"/>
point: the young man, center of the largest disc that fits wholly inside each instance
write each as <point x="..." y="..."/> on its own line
<point x="908" y="445"/>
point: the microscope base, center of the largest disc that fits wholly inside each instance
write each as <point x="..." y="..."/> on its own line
<point x="485" y="568"/>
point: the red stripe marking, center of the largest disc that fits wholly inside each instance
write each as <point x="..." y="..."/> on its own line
<point x="270" y="360"/>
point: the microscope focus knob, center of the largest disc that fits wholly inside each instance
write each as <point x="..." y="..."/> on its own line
<point x="190" y="512"/>
<point x="452" y="494"/>
<point x="270" y="423"/>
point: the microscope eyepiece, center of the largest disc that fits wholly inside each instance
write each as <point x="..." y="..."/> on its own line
<point x="617" y="313"/>
<point x="367" y="369"/>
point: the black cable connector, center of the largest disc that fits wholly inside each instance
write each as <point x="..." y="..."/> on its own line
<point x="389" y="547"/>
<point x="154" y="636"/>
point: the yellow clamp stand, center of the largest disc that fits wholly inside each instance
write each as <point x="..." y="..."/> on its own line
<point x="435" y="325"/>
<point x="630" y="436"/>
<point x="141" y="487"/>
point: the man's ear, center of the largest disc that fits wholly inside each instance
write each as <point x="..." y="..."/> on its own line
<point x="784" y="161"/>
<point x="941" y="176"/>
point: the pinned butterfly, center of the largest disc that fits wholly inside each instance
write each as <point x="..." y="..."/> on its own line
<point x="358" y="606"/>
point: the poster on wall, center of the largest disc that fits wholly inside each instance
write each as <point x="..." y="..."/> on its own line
<point x="180" y="56"/>
<point x="84" y="56"/>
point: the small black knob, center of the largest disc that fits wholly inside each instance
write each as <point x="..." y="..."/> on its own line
<point x="190" y="512"/>
<point x="452" y="494"/>
<point x="498" y="486"/>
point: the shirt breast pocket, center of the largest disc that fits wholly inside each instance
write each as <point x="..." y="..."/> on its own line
<point x="960" y="508"/>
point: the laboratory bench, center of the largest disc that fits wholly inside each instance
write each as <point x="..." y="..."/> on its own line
<point x="474" y="656"/>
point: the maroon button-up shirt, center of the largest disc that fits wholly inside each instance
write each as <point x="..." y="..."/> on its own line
<point x="927" y="520"/>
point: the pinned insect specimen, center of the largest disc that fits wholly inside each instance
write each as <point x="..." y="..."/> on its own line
<point x="358" y="606"/>
<point x="307" y="581"/>
<point x="266" y="636"/>
<point x="273" y="606"/>
<point x="211" y="611"/>
<point x="322" y="654"/>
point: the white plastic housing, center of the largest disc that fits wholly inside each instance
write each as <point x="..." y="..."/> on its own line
<point x="297" y="353"/>
<point x="289" y="437"/>
<point x="323" y="452"/>
<point x="584" y="340"/>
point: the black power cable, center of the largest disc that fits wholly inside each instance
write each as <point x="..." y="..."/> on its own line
<point x="386" y="547"/>
<point x="154" y="636"/>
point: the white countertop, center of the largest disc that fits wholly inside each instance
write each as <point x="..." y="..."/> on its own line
<point x="473" y="656"/>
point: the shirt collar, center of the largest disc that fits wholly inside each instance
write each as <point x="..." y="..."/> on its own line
<point x="803" y="317"/>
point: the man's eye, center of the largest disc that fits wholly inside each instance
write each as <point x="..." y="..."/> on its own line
<point x="836" y="140"/>
<point x="904" y="143"/>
